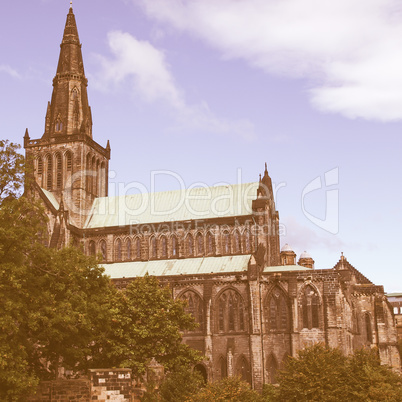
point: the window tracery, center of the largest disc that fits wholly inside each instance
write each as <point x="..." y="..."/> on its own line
<point x="195" y="308"/>
<point x="230" y="312"/>
<point x="310" y="308"/>
<point x="277" y="311"/>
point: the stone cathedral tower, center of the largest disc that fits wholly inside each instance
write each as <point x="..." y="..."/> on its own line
<point x="67" y="162"/>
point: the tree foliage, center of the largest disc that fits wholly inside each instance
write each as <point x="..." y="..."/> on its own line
<point x="147" y="323"/>
<point x="320" y="373"/>
<point x="11" y="170"/>
<point x="228" y="389"/>
<point x="178" y="386"/>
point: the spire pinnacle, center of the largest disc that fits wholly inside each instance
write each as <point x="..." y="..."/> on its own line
<point x="71" y="4"/>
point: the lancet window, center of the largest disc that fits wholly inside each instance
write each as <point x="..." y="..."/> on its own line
<point x="195" y="308"/>
<point x="276" y="311"/>
<point x="230" y="312"/>
<point x="310" y="308"/>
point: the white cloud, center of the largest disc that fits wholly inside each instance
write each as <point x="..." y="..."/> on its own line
<point x="150" y="75"/>
<point x="349" y="50"/>
<point x="9" y="70"/>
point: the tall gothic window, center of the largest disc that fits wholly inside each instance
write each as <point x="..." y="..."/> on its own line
<point x="40" y="166"/>
<point x="118" y="250"/>
<point x="369" y="332"/>
<point x="164" y="247"/>
<point x="195" y="308"/>
<point x="92" y="250"/>
<point x="223" y="367"/>
<point x="58" y="125"/>
<point x="237" y="242"/>
<point x="93" y="175"/>
<point x="200" y="244"/>
<point x="49" y="172"/>
<point x="310" y="308"/>
<point x="138" y="248"/>
<point x="276" y="311"/>
<point x="154" y="252"/>
<point x="230" y="312"/>
<point x="247" y="241"/>
<point x="87" y="173"/>
<point x="69" y="161"/>
<point x="210" y="244"/>
<point x="243" y="370"/>
<point x="103" y="249"/>
<point x="272" y="367"/>
<point x="226" y="243"/>
<point x="190" y="245"/>
<point x="175" y="249"/>
<point x="59" y="170"/>
<point x="128" y="249"/>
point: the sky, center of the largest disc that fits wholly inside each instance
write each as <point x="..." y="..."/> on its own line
<point x="204" y="92"/>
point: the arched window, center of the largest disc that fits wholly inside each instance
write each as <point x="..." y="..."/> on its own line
<point x="88" y="173"/>
<point x="118" y="250"/>
<point x="210" y="244"/>
<point x="164" y="247"/>
<point x="203" y="371"/>
<point x="190" y="245"/>
<point x="369" y="332"/>
<point x="58" y="125"/>
<point x="103" y="249"/>
<point x="69" y="161"/>
<point x="138" y="248"/>
<point x="230" y="312"/>
<point x="49" y="172"/>
<point x="223" y="367"/>
<point x="272" y="368"/>
<point x="237" y="242"/>
<point x="310" y="308"/>
<point x="243" y="370"/>
<point x="59" y="170"/>
<point x="247" y="241"/>
<point x="93" y="175"/>
<point x="195" y="308"/>
<point x="102" y="179"/>
<point x="277" y="311"/>
<point x="92" y="249"/>
<point x="153" y="247"/>
<point x="175" y="251"/>
<point x="97" y="178"/>
<point x="200" y="244"/>
<point x="128" y="250"/>
<point x="40" y="166"/>
<point x="74" y="93"/>
<point x="226" y="243"/>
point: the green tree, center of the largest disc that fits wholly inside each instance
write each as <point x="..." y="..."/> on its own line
<point x="178" y="386"/>
<point x="147" y="323"/>
<point x="53" y="303"/>
<point x="11" y="170"/>
<point x="228" y="389"/>
<point x="320" y="373"/>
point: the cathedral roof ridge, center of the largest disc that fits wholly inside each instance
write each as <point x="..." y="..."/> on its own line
<point x="174" y="267"/>
<point x="196" y="203"/>
<point x="252" y="185"/>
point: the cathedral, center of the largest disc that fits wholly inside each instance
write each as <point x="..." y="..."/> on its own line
<point x="218" y="248"/>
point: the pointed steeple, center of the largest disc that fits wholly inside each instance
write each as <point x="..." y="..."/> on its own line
<point x="69" y="112"/>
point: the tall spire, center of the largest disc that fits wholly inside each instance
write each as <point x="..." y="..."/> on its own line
<point x="69" y="112"/>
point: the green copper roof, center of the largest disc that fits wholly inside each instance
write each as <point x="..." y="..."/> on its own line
<point x="180" y="205"/>
<point x="51" y="198"/>
<point x="188" y="266"/>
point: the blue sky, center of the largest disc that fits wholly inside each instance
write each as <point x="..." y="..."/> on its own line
<point x="211" y="90"/>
